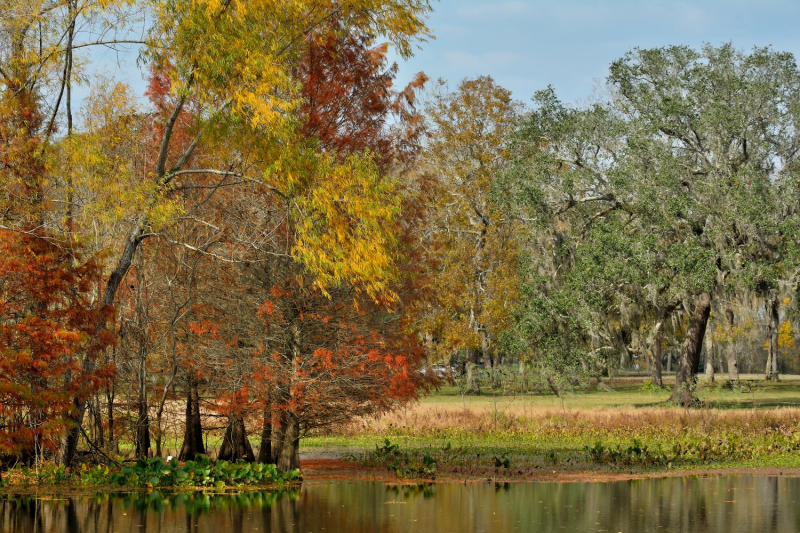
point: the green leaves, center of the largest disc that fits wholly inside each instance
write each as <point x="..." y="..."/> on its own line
<point x="154" y="472"/>
<point x="673" y="186"/>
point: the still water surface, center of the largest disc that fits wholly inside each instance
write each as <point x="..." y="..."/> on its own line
<point x="724" y="504"/>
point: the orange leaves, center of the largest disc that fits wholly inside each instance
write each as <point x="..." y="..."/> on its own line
<point x="278" y="292"/>
<point x="204" y="328"/>
<point x="324" y="356"/>
<point x="477" y="283"/>
<point x="266" y="310"/>
<point x="48" y="327"/>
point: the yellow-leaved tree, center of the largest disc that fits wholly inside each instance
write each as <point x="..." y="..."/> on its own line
<point x="478" y="283"/>
<point x="230" y="116"/>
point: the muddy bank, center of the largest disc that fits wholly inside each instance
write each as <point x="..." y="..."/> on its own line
<point x="327" y="467"/>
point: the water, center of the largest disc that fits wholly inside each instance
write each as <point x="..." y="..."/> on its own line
<point x="724" y="504"/>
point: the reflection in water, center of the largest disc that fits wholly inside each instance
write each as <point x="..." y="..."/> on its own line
<point x="715" y="504"/>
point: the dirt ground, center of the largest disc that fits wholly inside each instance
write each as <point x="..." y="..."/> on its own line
<point x="320" y="467"/>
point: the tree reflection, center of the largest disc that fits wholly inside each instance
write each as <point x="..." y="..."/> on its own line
<point x="722" y="504"/>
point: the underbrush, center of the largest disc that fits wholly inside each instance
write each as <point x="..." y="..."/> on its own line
<point x="155" y="472"/>
<point x="653" y="439"/>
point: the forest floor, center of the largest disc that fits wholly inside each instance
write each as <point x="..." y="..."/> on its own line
<point x="621" y="429"/>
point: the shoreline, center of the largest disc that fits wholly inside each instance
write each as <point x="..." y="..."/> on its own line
<point x="342" y="469"/>
<point x="330" y="469"/>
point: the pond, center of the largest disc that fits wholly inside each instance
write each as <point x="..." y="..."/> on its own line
<point x="714" y="504"/>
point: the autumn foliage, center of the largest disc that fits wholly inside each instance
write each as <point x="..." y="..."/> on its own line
<point x="338" y="358"/>
<point x="49" y="323"/>
<point x="246" y="226"/>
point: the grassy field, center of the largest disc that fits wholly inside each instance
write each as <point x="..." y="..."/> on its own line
<point x="626" y="426"/>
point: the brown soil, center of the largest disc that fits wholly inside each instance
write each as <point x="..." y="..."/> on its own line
<point x="331" y="468"/>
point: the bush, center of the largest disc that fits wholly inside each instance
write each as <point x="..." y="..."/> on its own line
<point x="155" y="472"/>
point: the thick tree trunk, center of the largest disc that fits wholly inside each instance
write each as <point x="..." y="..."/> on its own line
<point x="193" y="434"/>
<point x="288" y="457"/>
<point x="290" y="453"/>
<point x="486" y="354"/>
<point x="771" y="370"/>
<point x="689" y="364"/>
<point x="472" y="379"/>
<point x="265" y="449"/>
<point x="730" y="350"/>
<point x="277" y="437"/>
<point x="733" y="365"/>
<point x="709" y="359"/>
<point x="235" y="445"/>
<point x="69" y="443"/>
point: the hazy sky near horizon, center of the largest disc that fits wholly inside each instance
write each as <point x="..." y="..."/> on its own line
<point x="526" y="45"/>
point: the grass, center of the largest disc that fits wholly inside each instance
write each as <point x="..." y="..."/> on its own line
<point x="627" y="428"/>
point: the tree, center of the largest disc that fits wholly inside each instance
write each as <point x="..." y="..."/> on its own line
<point x="714" y="131"/>
<point x="348" y="127"/>
<point x="684" y="162"/>
<point x="49" y="322"/>
<point x="248" y="130"/>
<point x="465" y="152"/>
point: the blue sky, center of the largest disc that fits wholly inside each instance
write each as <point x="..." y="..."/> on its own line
<point x="529" y="44"/>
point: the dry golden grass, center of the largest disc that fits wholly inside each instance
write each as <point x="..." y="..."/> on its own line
<point x="432" y="420"/>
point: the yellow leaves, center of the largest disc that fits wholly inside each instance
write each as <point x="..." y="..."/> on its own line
<point x="785" y="338"/>
<point x="243" y="52"/>
<point x="345" y="227"/>
<point x="479" y="283"/>
<point x="96" y="167"/>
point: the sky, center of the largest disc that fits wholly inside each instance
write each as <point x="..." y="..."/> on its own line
<point x="526" y="45"/>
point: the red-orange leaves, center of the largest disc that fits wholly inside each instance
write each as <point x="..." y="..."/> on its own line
<point x="204" y="327"/>
<point x="324" y="357"/>
<point x="51" y="332"/>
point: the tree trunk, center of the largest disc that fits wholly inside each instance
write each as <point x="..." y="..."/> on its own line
<point x="290" y="453"/>
<point x="69" y="443"/>
<point x="112" y="442"/>
<point x="472" y="379"/>
<point x="265" y="449"/>
<point x="709" y="359"/>
<point x="485" y="354"/>
<point x="689" y="364"/>
<point x="771" y="370"/>
<point x="277" y="434"/>
<point x="730" y="350"/>
<point x="160" y="413"/>
<point x="654" y="354"/>
<point x="235" y="445"/>
<point x="142" y="430"/>
<point x="733" y="365"/>
<point x="193" y="433"/>
<point x="97" y="414"/>
<point x="142" y="434"/>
